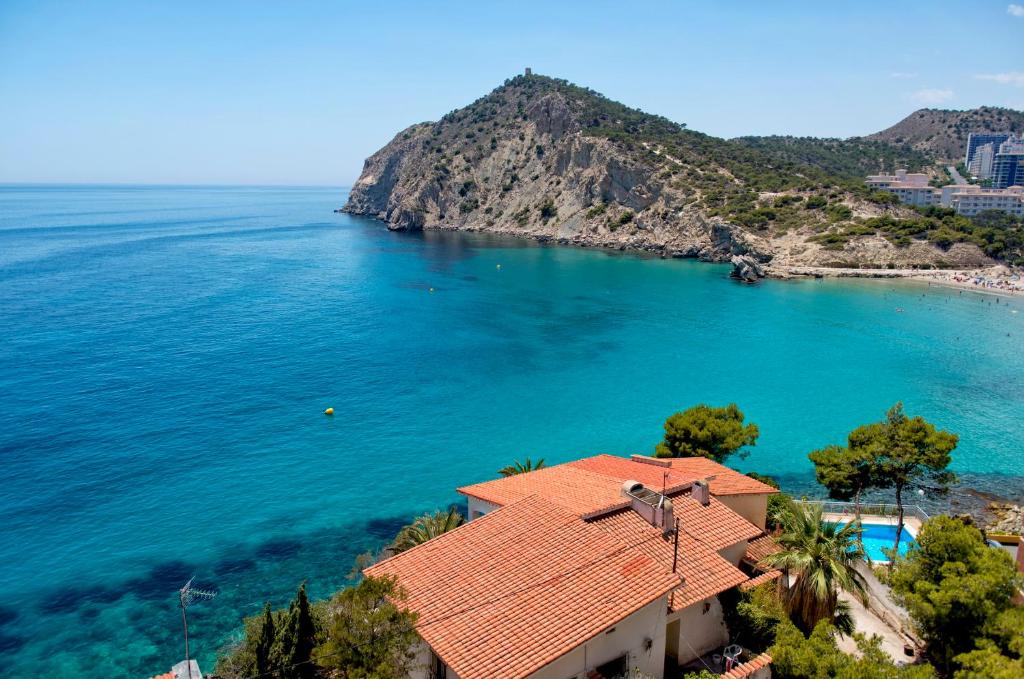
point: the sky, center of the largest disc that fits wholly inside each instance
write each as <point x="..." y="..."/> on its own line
<point x="302" y="92"/>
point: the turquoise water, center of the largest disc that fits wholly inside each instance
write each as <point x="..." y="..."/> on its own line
<point x="880" y="536"/>
<point x="166" y="355"/>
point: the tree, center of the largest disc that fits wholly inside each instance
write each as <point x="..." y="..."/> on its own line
<point x="370" y="632"/>
<point x="704" y="431"/>
<point x="298" y="638"/>
<point x="958" y="592"/>
<point x="426" y="527"/>
<point x="988" y="662"/>
<point x="904" y="451"/>
<point x="845" y="472"/>
<point x="274" y="641"/>
<point x="795" y="656"/>
<point x="821" y="559"/>
<point x="264" y="643"/>
<point x="521" y="467"/>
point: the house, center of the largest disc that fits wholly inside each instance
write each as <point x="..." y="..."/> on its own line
<point x="182" y="671"/>
<point x="586" y="570"/>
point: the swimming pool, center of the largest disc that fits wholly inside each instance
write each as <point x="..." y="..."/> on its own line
<point x="878" y="536"/>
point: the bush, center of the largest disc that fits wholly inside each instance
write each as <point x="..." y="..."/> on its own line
<point x="815" y="202"/>
<point x="837" y="212"/>
<point x="625" y="218"/>
<point x="548" y="210"/>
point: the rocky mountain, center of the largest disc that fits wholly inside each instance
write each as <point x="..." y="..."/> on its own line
<point x="540" y="157"/>
<point x="943" y="133"/>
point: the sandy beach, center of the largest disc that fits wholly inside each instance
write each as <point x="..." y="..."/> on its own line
<point x="996" y="280"/>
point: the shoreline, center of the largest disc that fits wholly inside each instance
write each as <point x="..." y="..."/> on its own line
<point x="994" y="280"/>
<point x="997" y="280"/>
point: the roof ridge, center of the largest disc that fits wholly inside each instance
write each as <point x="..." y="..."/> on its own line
<point x="445" y="537"/>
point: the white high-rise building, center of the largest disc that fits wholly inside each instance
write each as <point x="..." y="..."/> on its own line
<point x="981" y="163"/>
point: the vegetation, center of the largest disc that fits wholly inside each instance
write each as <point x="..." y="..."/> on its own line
<point x="850" y="158"/>
<point x="958" y="592"/>
<point x="426" y="527"/>
<point x="705" y="431"/>
<point x="795" y="656"/>
<point x="997" y="233"/>
<point x="361" y="630"/>
<point x="845" y="472"/>
<point x="369" y="633"/>
<point x="820" y="557"/>
<point x="521" y="467"/>
<point x="904" y="451"/>
<point x="757" y="620"/>
<point x="280" y="641"/>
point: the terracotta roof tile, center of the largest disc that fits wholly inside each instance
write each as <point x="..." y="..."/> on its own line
<point x="705" y="573"/>
<point x="749" y="667"/>
<point x="575" y="489"/>
<point x="760" y="547"/>
<point x="726" y="482"/>
<point x="508" y="593"/>
<point x="715" y="525"/>
<point x="760" y="579"/>
<point x="593" y="484"/>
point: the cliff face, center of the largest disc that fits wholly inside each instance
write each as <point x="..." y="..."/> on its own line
<point x="541" y="158"/>
<point x="943" y="133"/>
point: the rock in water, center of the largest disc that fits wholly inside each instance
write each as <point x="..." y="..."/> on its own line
<point x="746" y="268"/>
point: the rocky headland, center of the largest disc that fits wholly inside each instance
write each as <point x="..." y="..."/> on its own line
<point x="544" y="159"/>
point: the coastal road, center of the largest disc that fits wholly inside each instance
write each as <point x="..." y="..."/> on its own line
<point x="957" y="178"/>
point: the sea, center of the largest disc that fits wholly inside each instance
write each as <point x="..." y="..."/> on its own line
<point x="167" y="354"/>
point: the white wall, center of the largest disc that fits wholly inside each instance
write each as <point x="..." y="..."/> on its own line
<point x="478" y="507"/>
<point x="734" y="553"/>
<point x="628" y="637"/>
<point x="753" y="508"/>
<point x="701" y="632"/>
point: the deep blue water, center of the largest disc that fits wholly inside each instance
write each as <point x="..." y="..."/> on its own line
<point x="166" y="355"/>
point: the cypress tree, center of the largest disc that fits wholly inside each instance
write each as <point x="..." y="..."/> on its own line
<point x="298" y="638"/>
<point x="264" y="643"/>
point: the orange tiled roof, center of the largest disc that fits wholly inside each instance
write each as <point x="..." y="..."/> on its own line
<point x="166" y="675"/>
<point x="593" y="484"/>
<point x="760" y="547"/>
<point x="760" y="579"/>
<point x="726" y="482"/>
<point x="509" y="592"/>
<point x="749" y="667"/>
<point x="715" y="525"/>
<point x="704" y="572"/>
<point x="575" y="489"/>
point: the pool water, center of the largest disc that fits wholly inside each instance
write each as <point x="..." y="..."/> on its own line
<point x="879" y="536"/>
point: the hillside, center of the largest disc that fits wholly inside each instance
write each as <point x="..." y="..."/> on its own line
<point x="943" y="133"/>
<point x="543" y="158"/>
<point x="848" y="158"/>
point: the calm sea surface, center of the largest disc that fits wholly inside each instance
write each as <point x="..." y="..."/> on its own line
<point x="166" y="355"/>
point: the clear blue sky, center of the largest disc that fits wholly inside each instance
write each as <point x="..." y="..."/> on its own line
<point x="301" y="92"/>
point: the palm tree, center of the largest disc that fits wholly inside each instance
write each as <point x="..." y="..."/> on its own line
<point x="820" y="557"/>
<point x="521" y="467"/>
<point x="425" y="528"/>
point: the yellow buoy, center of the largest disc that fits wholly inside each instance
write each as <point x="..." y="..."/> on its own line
<point x="329" y="411"/>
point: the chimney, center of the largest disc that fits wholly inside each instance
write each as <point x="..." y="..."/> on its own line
<point x="654" y="507"/>
<point x="701" y="493"/>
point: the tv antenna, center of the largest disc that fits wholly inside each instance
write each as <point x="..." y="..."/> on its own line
<point x="187" y="596"/>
